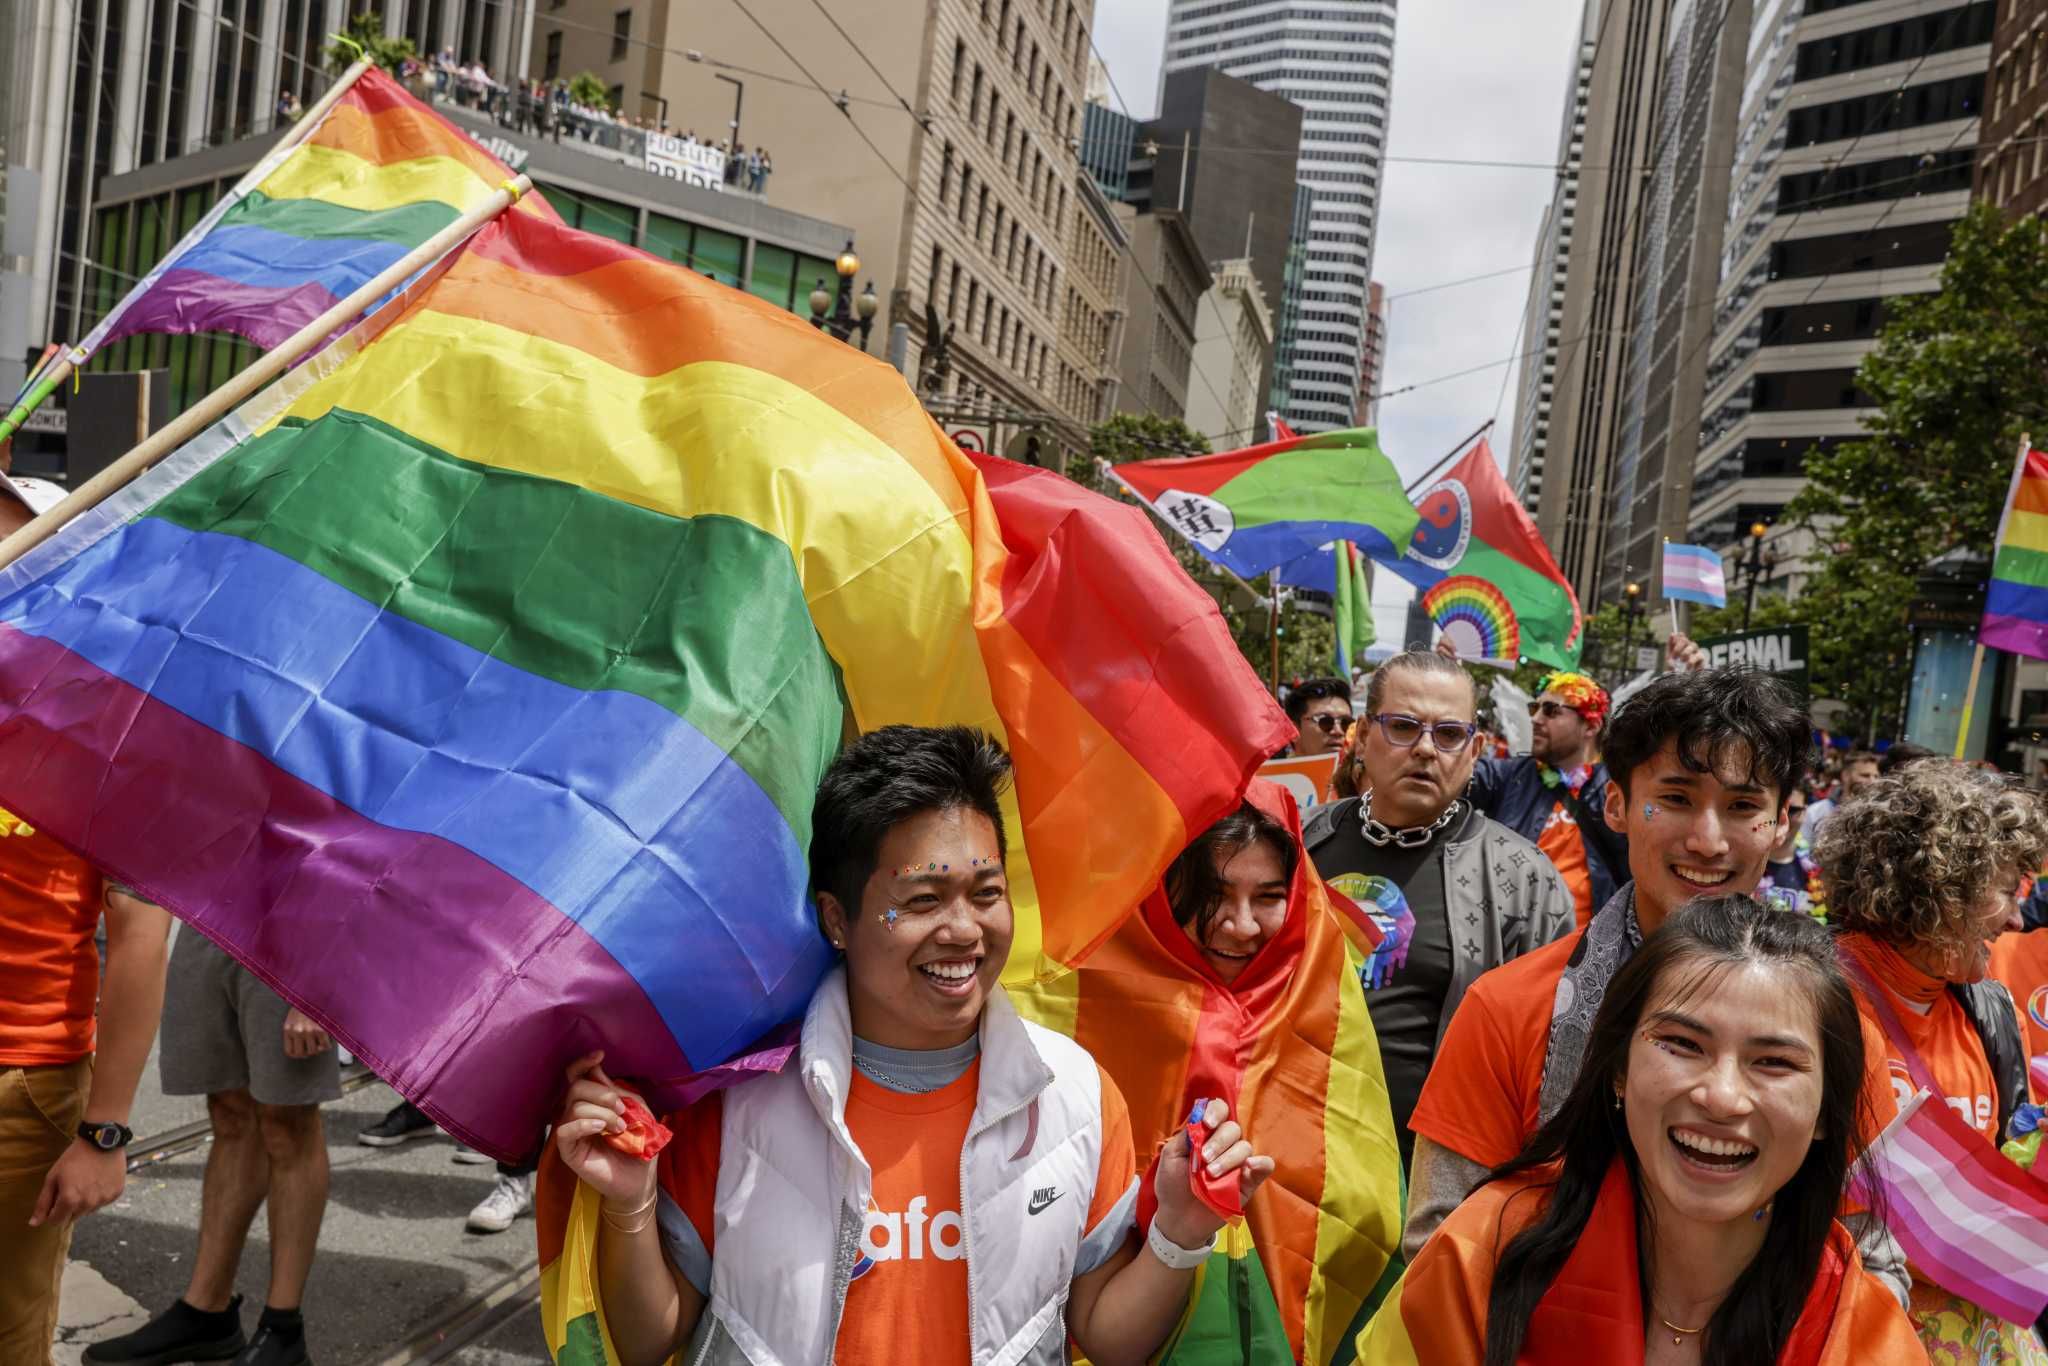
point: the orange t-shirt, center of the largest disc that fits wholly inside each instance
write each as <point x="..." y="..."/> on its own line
<point x="1481" y="1098"/>
<point x="1948" y="1044"/>
<point x="908" y="1298"/>
<point x="1565" y="844"/>
<point x="2021" y="962"/>
<point x="50" y="903"/>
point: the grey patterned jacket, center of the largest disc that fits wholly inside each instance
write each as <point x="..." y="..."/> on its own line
<point x="1504" y="895"/>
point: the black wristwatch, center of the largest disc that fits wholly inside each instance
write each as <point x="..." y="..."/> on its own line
<point x="106" y="1137"/>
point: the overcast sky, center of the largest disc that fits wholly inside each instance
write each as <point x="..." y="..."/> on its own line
<point x="1473" y="79"/>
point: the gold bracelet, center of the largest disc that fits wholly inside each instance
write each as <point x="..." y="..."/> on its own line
<point x="607" y="1214"/>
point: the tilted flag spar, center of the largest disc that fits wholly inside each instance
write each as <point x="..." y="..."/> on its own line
<point x="368" y="174"/>
<point x="471" y="685"/>
<point x="1488" y="581"/>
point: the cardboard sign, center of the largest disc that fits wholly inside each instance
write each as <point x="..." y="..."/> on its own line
<point x="1308" y="777"/>
<point x="1780" y="650"/>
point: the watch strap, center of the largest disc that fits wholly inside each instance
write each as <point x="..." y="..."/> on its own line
<point x="1176" y="1257"/>
<point x="99" y="1135"/>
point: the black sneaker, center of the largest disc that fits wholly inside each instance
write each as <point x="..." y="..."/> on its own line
<point x="272" y="1348"/>
<point x="403" y="1121"/>
<point x="180" y="1333"/>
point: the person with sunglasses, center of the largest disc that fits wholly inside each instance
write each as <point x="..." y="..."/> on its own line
<point x="1790" y="872"/>
<point x="1553" y="796"/>
<point x="1480" y="893"/>
<point x="1320" y="709"/>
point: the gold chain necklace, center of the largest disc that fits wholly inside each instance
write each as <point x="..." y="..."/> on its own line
<point x="1679" y="1335"/>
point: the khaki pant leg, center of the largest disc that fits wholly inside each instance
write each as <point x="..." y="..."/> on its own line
<point x="39" y="1111"/>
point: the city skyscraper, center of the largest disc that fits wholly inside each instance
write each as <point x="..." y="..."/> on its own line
<point x="1338" y="65"/>
<point x="1857" y="135"/>
<point x="1542" y="316"/>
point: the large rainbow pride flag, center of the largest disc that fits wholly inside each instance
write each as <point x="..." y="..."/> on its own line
<point x="471" y="685"/>
<point x="2016" y="602"/>
<point x="377" y="175"/>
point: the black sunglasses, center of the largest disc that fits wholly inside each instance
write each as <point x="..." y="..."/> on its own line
<point x="1331" y="722"/>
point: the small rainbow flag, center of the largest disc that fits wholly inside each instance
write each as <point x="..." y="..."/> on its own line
<point x="1254" y="510"/>
<point x="472" y="684"/>
<point x="2016" y="604"/>
<point x="321" y="216"/>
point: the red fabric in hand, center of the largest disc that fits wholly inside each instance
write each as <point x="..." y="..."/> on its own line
<point x="1224" y="1194"/>
<point x="644" y="1136"/>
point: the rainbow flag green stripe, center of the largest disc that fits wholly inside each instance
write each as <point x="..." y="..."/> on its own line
<point x="702" y="615"/>
<point x="408" y="225"/>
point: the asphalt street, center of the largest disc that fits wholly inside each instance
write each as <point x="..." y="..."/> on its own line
<point x="398" y="1279"/>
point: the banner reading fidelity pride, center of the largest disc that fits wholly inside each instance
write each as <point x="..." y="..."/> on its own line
<point x="472" y="684"/>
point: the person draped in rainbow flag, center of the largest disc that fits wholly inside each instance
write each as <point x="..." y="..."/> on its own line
<point x="1680" y="1206"/>
<point x="1239" y="978"/>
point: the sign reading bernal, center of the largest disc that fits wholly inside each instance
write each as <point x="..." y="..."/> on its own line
<point x="1780" y="650"/>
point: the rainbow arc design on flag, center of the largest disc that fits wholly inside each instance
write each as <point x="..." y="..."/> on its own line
<point x="2016" y="602"/>
<point x="492" y="658"/>
<point x="379" y="174"/>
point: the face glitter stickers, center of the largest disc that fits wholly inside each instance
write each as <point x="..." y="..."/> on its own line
<point x="1649" y="811"/>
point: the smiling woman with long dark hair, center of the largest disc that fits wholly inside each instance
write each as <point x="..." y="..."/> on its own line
<point x="1705" y="1146"/>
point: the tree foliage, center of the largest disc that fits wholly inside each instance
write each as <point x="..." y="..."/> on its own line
<point x="1957" y="376"/>
<point x="367" y="39"/>
<point x="588" y="89"/>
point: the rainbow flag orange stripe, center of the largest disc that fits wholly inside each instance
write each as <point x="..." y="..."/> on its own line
<point x="512" y="634"/>
<point x="1291" y="1046"/>
<point x="378" y="175"/>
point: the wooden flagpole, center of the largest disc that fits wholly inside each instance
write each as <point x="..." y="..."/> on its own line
<point x="2019" y="470"/>
<point x="267" y="367"/>
<point x="75" y="356"/>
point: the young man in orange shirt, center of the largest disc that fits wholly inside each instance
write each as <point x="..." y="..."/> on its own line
<point x="1702" y="763"/>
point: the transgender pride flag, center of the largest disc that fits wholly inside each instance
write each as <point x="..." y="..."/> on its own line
<point x="1969" y="1218"/>
<point x="1693" y="573"/>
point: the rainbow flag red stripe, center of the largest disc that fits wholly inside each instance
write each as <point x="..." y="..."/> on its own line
<point x="379" y="174"/>
<point x="472" y="685"/>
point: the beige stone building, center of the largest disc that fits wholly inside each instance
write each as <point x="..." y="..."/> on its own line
<point x="1233" y="341"/>
<point x="1167" y="280"/>
<point x="941" y="131"/>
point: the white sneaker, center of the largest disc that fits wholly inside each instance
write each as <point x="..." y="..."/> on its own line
<point x="510" y="1198"/>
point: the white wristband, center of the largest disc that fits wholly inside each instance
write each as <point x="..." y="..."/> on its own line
<point x="1176" y="1257"/>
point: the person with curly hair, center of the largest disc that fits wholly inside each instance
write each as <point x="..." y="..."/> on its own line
<point x="1923" y="871"/>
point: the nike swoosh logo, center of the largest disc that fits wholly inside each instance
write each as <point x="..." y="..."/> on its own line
<point x="1038" y="1206"/>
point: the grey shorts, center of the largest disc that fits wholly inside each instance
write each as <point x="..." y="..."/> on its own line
<point x="223" y="1030"/>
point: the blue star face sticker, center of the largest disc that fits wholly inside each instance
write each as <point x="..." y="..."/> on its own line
<point x="1649" y="811"/>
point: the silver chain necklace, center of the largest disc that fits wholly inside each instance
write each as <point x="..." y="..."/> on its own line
<point x="1378" y="834"/>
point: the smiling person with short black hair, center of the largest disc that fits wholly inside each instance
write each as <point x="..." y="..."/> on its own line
<point x="1702" y="764"/>
<point x="931" y="1178"/>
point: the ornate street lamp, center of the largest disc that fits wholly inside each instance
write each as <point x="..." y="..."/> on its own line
<point x="846" y="312"/>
